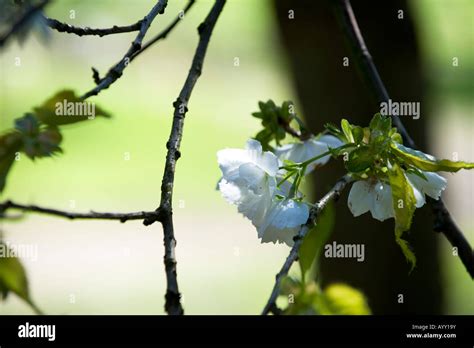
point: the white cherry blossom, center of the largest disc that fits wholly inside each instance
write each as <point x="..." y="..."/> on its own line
<point x="283" y="221"/>
<point x="249" y="181"/>
<point x="375" y="196"/>
<point x="371" y="195"/>
<point x="303" y="151"/>
<point x="433" y="186"/>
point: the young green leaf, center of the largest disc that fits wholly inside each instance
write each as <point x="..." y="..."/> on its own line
<point x="332" y="128"/>
<point x="13" y="277"/>
<point x="45" y="144"/>
<point x="10" y="144"/>
<point x="286" y="111"/>
<point x="404" y="205"/>
<point x="427" y="163"/>
<point x="347" y="129"/>
<point x="27" y="125"/>
<point x="358" y="133"/>
<point x="315" y="239"/>
<point x="66" y="108"/>
<point x="341" y="299"/>
<point x="360" y="159"/>
<point x="381" y="124"/>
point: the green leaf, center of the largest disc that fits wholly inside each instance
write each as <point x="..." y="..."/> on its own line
<point x="10" y="144"/>
<point x="264" y="137"/>
<point x="395" y="136"/>
<point x="285" y="114"/>
<point x="374" y="123"/>
<point x="274" y="119"/>
<point x="45" y="144"/>
<point x="404" y="205"/>
<point x="358" y="133"/>
<point x="27" y="125"/>
<point x="407" y="251"/>
<point x="347" y="129"/>
<point x="427" y="163"/>
<point x="13" y="277"/>
<point x="381" y="124"/>
<point x="417" y="172"/>
<point x="313" y="242"/>
<point x="332" y="128"/>
<point x="37" y="140"/>
<point x="360" y="159"/>
<point x="66" y="108"/>
<point x="341" y="299"/>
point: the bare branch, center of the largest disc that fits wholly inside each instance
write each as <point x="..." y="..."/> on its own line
<point x="30" y="12"/>
<point x="116" y="71"/>
<point x="333" y="194"/>
<point x="81" y="31"/>
<point x="122" y="217"/>
<point x="443" y="221"/>
<point x="163" y="34"/>
<point x="173" y="304"/>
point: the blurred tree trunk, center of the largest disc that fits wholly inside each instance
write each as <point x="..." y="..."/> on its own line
<point x="328" y="91"/>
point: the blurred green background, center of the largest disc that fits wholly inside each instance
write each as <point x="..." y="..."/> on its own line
<point x="100" y="267"/>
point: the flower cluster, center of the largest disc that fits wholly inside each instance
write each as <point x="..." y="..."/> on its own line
<point x="376" y="196"/>
<point x="251" y="180"/>
<point x="390" y="180"/>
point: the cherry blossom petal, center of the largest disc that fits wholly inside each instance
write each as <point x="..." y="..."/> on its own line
<point x="433" y="186"/>
<point x="382" y="206"/>
<point x="360" y="197"/>
<point x="419" y="196"/>
<point x="282" y="221"/>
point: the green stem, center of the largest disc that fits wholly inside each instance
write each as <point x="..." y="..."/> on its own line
<point x="290" y="174"/>
<point x="307" y="162"/>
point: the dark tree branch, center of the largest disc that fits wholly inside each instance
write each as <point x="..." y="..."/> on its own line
<point x="163" y="34"/>
<point x="370" y="73"/>
<point x="122" y="217"/>
<point x="95" y="75"/>
<point x="173" y="304"/>
<point x="333" y="194"/>
<point x="443" y="221"/>
<point x="116" y="71"/>
<point x="81" y="31"/>
<point x="30" y="12"/>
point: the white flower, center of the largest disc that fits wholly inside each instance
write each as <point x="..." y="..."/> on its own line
<point x="249" y="180"/>
<point x="376" y="197"/>
<point x="283" y="221"/>
<point x="433" y="186"/>
<point x="230" y="160"/>
<point x="373" y="196"/>
<point x="303" y="151"/>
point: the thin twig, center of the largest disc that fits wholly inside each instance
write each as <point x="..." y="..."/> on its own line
<point x="116" y="71"/>
<point x="30" y="12"/>
<point x="81" y="31"/>
<point x="163" y="34"/>
<point x="122" y="217"/>
<point x="333" y="194"/>
<point x="172" y="303"/>
<point x="443" y="221"/>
